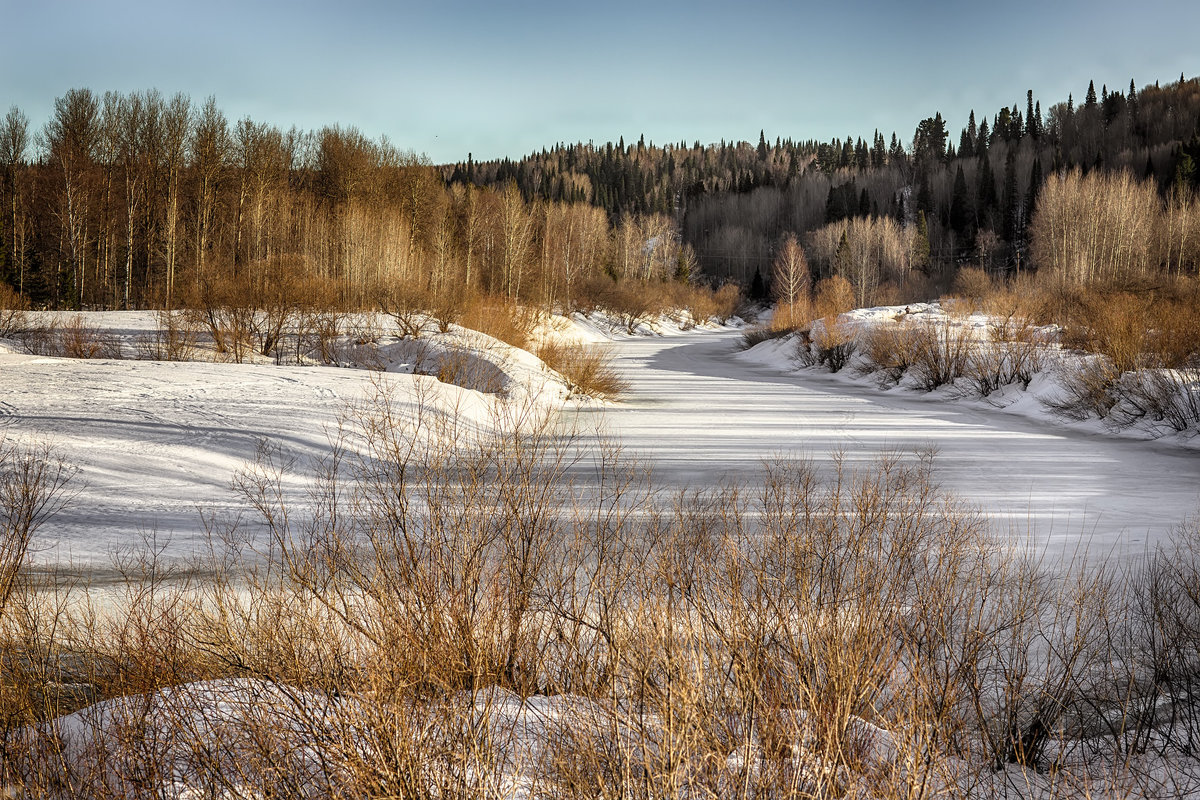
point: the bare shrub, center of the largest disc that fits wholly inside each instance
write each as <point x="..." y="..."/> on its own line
<point x="14" y="313"/>
<point x="833" y="296"/>
<point x="972" y="284"/>
<point x="78" y="339"/>
<point x="174" y="339"/>
<point x="633" y="302"/>
<point x="1013" y="354"/>
<point x="833" y="344"/>
<point x="503" y="319"/>
<point x="587" y="370"/>
<point x="1170" y="397"/>
<point x="943" y="356"/>
<point x="408" y="307"/>
<point x="33" y="481"/>
<point x="892" y="349"/>
<point x="1089" y="389"/>
<point x="40" y="337"/>
<point x="469" y="367"/>
<point x="446" y="308"/>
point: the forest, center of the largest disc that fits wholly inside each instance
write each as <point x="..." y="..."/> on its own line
<point x="142" y="200"/>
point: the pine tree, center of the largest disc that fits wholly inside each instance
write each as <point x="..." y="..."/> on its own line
<point x="1090" y="102"/>
<point x="1030" y="120"/>
<point x="762" y="147"/>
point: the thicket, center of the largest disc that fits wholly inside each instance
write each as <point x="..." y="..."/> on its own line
<point x="834" y="631"/>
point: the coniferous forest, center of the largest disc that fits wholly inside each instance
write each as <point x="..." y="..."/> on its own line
<point x="135" y="200"/>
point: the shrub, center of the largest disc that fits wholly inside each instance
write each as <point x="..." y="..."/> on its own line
<point x="1171" y="397"/>
<point x="892" y="349"/>
<point x="972" y="284"/>
<point x="831" y="343"/>
<point x="833" y="296"/>
<point x="502" y="319"/>
<point x="173" y="340"/>
<point x="77" y="339"/>
<point x="14" y="313"/>
<point x="1088" y="389"/>
<point x="942" y="356"/>
<point x="1013" y="354"/>
<point x="587" y="370"/>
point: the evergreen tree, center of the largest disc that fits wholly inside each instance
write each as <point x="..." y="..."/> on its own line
<point x="985" y="187"/>
<point x="961" y="210"/>
<point x="896" y="153"/>
<point x="1035" y="187"/>
<point x="758" y="290"/>
<point x="1090" y="102"/>
<point x="1030" y="120"/>
<point x="920" y="253"/>
<point x="1012" y="203"/>
<point x="842" y="258"/>
<point x="762" y="150"/>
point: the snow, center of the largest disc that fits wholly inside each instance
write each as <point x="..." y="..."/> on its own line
<point x="156" y="443"/>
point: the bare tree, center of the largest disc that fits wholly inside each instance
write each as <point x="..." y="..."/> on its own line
<point x="71" y="137"/>
<point x="32" y="489"/>
<point x="177" y="128"/>
<point x="14" y="147"/>
<point x="789" y="275"/>
<point x="210" y="145"/>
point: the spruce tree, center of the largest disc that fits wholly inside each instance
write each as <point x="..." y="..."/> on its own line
<point x="1090" y="102"/>
<point x="920" y="253"/>
<point x="985" y="187"/>
<point x="1030" y="119"/>
<point x="960" y="205"/>
<point x="1035" y="187"/>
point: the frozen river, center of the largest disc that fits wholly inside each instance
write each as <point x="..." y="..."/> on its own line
<point x="156" y="443"/>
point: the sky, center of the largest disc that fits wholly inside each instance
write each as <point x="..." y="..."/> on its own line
<point x="500" y="79"/>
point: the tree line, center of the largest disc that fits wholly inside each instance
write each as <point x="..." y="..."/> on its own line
<point x="969" y="200"/>
<point x="125" y="200"/>
<point x="129" y="200"/>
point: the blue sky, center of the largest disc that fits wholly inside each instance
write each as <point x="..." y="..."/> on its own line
<point x="498" y="79"/>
